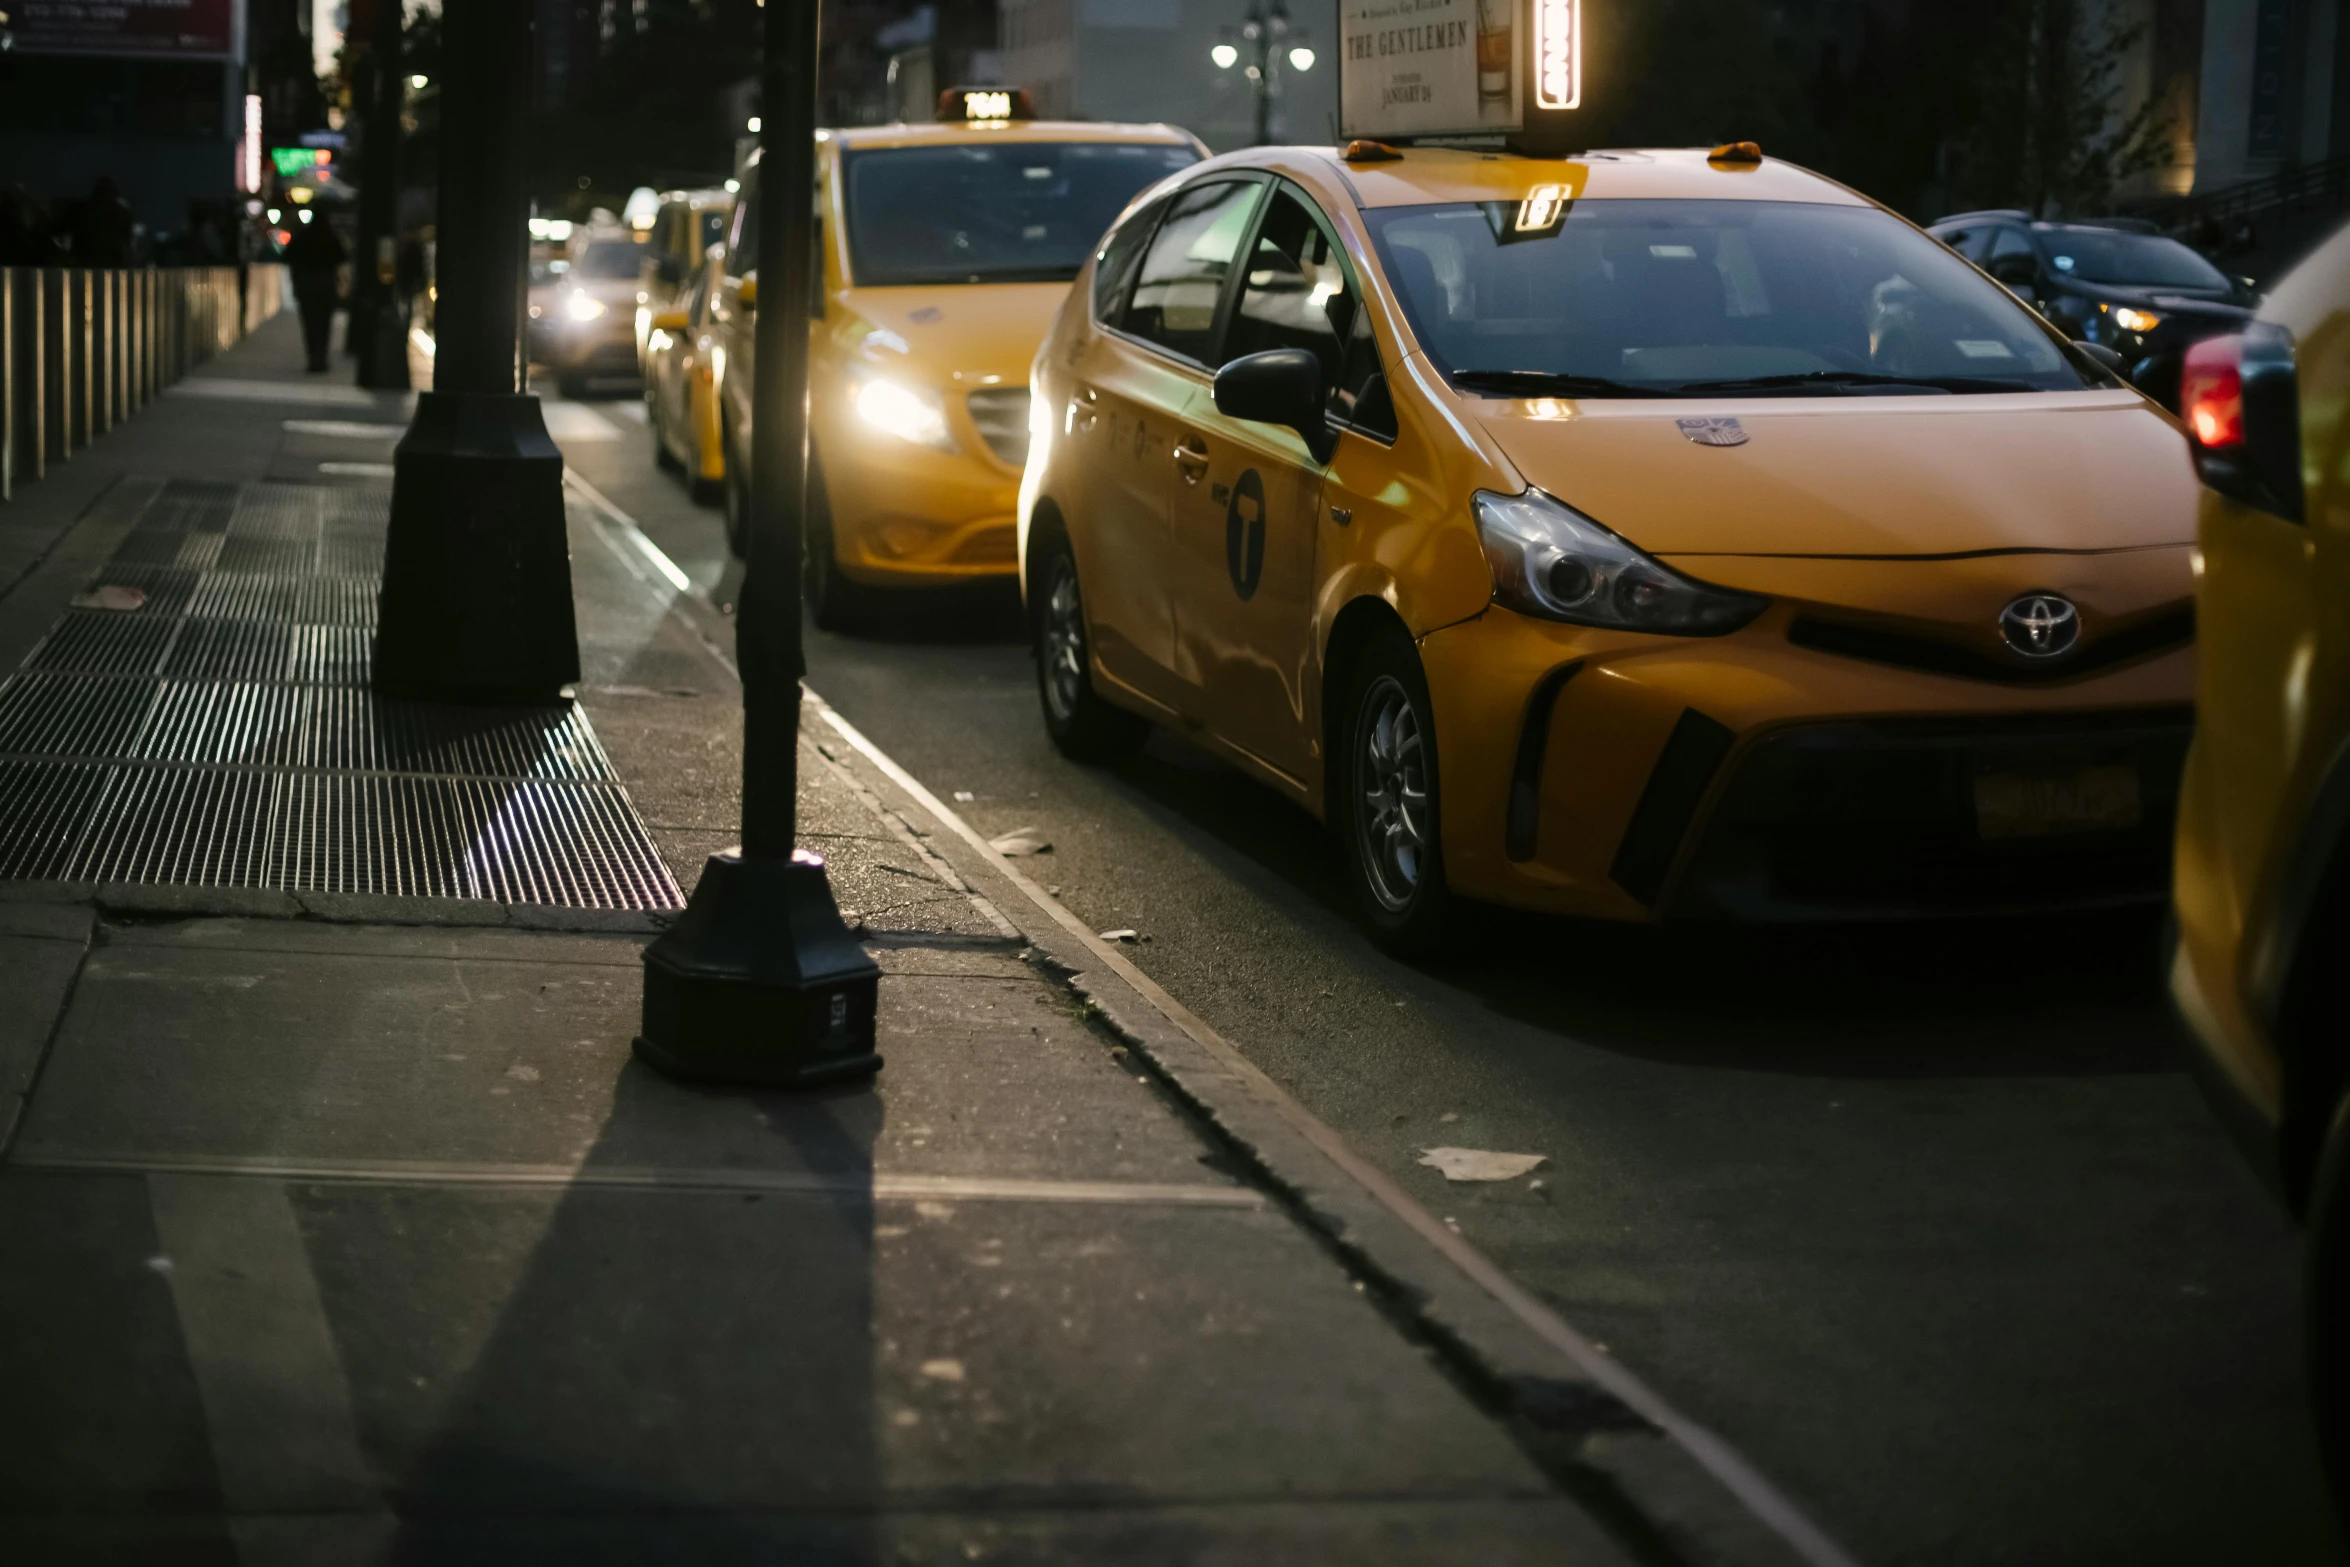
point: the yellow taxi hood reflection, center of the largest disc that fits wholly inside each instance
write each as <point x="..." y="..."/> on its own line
<point x="974" y="334"/>
<point x="1877" y="476"/>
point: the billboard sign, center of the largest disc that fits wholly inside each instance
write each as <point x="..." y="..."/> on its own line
<point x="1437" y="69"/>
<point x="181" y="29"/>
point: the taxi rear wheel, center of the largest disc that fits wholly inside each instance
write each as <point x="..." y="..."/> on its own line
<point x="1387" y="797"/>
<point x="834" y="602"/>
<point x="1081" y="724"/>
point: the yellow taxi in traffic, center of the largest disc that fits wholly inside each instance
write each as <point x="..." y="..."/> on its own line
<point x="1632" y="535"/>
<point x="686" y="225"/>
<point x="2260" y="969"/>
<point x="681" y="382"/>
<point x="946" y="249"/>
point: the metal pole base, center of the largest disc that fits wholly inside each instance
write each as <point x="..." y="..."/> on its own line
<point x="476" y="602"/>
<point x="760" y="984"/>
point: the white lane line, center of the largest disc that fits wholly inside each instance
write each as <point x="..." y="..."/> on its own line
<point x="345" y="429"/>
<point x="1769" y="1505"/>
<point x="276" y="1401"/>
<point x="576" y="422"/>
<point x="629" y="530"/>
<point x="359" y="470"/>
<point x="201" y="1172"/>
<point x="233" y="390"/>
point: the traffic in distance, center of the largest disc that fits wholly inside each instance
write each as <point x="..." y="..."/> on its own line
<point x="1644" y="535"/>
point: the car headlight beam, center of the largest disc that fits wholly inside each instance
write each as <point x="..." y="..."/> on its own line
<point x="911" y="413"/>
<point x="583" y="307"/>
<point x="2135" y="320"/>
<point x="1551" y="561"/>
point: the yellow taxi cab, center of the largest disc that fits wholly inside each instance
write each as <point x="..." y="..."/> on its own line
<point x="685" y="226"/>
<point x="681" y="383"/>
<point x="1632" y="535"/>
<point x="2260" y="968"/>
<point x="946" y="249"/>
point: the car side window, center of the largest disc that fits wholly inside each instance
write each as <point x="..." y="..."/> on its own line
<point x="697" y="306"/>
<point x="1114" y="263"/>
<point x="1181" y="281"/>
<point x="1300" y="293"/>
<point x="1359" y="396"/>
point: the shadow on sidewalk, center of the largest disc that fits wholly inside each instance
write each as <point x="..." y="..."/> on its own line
<point x="679" y="1375"/>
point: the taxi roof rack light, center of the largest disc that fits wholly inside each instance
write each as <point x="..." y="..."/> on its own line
<point x="960" y="105"/>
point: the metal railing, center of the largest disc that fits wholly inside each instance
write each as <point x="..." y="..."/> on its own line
<point x="2309" y="187"/>
<point x="84" y="348"/>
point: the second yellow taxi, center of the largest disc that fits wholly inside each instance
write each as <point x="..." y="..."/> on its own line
<point x="946" y="249"/>
<point x="1633" y="535"/>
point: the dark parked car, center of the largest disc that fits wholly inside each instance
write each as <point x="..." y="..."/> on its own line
<point x="2115" y="281"/>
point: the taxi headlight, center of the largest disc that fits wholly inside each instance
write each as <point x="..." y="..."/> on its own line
<point x="1552" y="561"/>
<point x="911" y="413"/>
<point x="2135" y="320"/>
<point x="581" y="307"/>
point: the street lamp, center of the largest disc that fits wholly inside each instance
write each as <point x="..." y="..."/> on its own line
<point x="1267" y="38"/>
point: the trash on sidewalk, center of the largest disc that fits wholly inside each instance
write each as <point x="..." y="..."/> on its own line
<point x="965" y="796"/>
<point x="1021" y="840"/>
<point x="112" y="595"/>
<point x="1480" y="1164"/>
<point x="1129" y="937"/>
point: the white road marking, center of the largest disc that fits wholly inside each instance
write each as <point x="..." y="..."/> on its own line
<point x="235" y="390"/>
<point x="276" y="1401"/>
<point x="629" y="530"/>
<point x="359" y="470"/>
<point x="345" y="429"/>
<point x="1770" y="1506"/>
<point x="576" y="422"/>
<point x="203" y="1174"/>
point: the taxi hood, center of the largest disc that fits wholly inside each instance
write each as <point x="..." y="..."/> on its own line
<point x="970" y="334"/>
<point x="1861" y="476"/>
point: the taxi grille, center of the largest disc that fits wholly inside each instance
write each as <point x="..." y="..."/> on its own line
<point x="1001" y="412"/>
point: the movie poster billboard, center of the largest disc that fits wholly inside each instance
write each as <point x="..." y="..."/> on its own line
<point x="1416" y="69"/>
<point x="177" y="29"/>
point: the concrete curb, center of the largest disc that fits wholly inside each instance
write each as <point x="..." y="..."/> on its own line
<point x="1644" y="1480"/>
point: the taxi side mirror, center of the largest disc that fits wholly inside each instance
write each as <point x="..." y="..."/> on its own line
<point x="669" y="321"/>
<point x="1279" y="386"/>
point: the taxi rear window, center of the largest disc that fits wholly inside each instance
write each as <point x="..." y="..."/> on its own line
<point x="1658" y="298"/>
<point x="1007" y="212"/>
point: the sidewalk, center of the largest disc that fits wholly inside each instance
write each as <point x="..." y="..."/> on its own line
<point x="341" y="1225"/>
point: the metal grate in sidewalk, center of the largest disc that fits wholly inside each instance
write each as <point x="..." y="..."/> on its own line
<point x="223" y="734"/>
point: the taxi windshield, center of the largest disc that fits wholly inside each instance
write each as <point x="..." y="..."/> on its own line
<point x="608" y="260"/>
<point x="1003" y="212"/>
<point x="2107" y="256"/>
<point x="1656" y="298"/>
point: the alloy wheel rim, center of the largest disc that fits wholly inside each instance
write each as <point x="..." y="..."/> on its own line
<point x="1391" y="819"/>
<point x="1064" y="644"/>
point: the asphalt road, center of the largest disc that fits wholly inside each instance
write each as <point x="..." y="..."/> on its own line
<point x="1926" y="1220"/>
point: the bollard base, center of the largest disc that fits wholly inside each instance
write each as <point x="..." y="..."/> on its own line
<point x="760" y="984"/>
<point x="476" y="603"/>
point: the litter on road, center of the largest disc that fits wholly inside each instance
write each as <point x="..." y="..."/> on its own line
<point x="1479" y="1164"/>
<point x="1021" y="840"/>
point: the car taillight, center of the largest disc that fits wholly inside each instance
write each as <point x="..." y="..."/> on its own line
<point x="2241" y="400"/>
<point x="2211" y="391"/>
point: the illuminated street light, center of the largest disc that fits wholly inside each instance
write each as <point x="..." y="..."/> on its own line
<point x="1225" y="56"/>
<point x="1301" y="59"/>
<point x="418" y="82"/>
<point x="752" y="125"/>
<point x="1268" y="39"/>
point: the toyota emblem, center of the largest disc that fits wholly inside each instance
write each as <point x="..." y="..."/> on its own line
<point x="2041" y="625"/>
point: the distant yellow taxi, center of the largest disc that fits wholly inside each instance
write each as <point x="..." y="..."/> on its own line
<point x="1632" y="535"/>
<point x="946" y="249"/>
<point x="681" y="384"/>
<point x="2261" y="965"/>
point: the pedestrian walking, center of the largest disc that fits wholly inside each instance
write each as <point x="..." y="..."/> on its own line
<point x="314" y="255"/>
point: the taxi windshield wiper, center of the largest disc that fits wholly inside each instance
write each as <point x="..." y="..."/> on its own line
<point x="1547" y="383"/>
<point x="1849" y="380"/>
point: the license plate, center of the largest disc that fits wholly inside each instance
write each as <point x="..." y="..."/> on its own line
<point x="2043" y="802"/>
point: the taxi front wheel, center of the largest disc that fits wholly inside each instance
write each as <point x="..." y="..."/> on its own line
<point x="1081" y="724"/>
<point x="1387" y="797"/>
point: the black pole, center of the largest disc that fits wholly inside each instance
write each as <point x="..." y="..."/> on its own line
<point x="379" y="327"/>
<point x="759" y="982"/>
<point x="476" y="602"/>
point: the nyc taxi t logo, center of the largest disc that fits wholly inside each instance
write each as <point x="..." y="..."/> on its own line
<point x="1713" y="432"/>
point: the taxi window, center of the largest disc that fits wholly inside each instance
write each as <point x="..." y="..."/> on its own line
<point x="2010" y="242"/>
<point x="1654" y="297"/>
<point x="1299" y="294"/>
<point x="713" y="225"/>
<point x="1113" y="267"/>
<point x="991" y="212"/>
<point x="1181" y="281"/>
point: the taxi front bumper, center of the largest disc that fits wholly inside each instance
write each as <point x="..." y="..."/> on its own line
<point x="1640" y="778"/>
<point x="914" y="516"/>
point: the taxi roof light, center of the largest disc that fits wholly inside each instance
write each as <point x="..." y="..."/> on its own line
<point x="1364" y="150"/>
<point x="962" y="104"/>
<point x="1736" y="152"/>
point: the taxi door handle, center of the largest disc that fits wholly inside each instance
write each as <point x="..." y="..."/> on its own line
<point x="1082" y="413"/>
<point x="1191" y="458"/>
